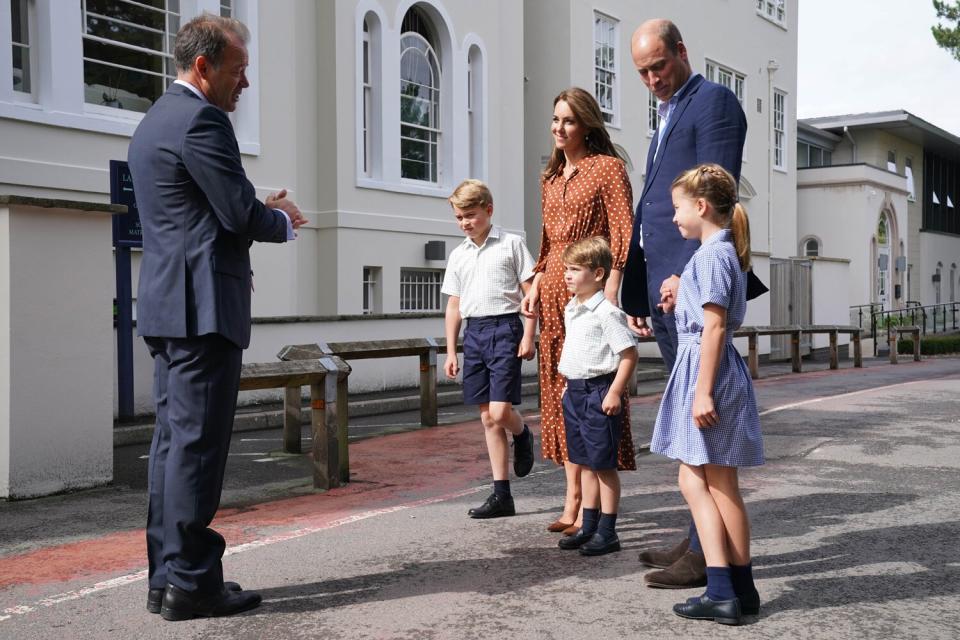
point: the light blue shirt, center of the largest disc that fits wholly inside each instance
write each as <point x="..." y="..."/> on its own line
<point x="290" y="233"/>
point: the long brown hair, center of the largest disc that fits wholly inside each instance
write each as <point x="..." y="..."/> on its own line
<point x="714" y="184"/>
<point x="587" y="112"/>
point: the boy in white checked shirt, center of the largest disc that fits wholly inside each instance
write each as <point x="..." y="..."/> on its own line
<point x="598" y="358"/>
<point x="487" y="275"/>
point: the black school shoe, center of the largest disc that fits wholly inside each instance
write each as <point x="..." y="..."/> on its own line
<point x="575" y="541"/>
<point x="597" y="545"/>
<point x="523" y="452"/>
<point x="184" y="605"/>
<point x="703" y="608"/>
<point x="494" y="507"/>
<point x="155" y="596"/>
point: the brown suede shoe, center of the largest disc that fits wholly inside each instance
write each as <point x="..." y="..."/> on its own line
<point x="558" y="525"/>
<point x="686" y="573"/>
<point x="663" y="558"/>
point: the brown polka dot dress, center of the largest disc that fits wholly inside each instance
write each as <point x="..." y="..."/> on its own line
<point x="596" y="200"/>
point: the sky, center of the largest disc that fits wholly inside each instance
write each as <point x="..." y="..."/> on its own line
<point x="856" y="56"/>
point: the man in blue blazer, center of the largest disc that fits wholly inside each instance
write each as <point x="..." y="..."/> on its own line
<point x="199" y="215"/>
<point x="700" y="121"/>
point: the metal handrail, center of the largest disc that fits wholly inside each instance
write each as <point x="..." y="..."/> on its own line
<point x="935" y="314"/>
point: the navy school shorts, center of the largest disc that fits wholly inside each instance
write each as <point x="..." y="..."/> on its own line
<point x="592" y="436"/>
<point x="491" y="368"/>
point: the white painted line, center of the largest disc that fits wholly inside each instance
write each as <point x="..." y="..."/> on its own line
<point x="794" y="405"/>
<point x="266" y="459"/>
<point x="257" y="453"/>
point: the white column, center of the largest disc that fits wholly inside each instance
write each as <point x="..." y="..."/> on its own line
<point x="60" y="56"/>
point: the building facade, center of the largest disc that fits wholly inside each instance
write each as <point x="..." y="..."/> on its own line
<point x="370" y="112"/>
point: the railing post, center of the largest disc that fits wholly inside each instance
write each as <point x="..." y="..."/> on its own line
<point x="428" y="384"/>
<point x="336" y="441"/>
<point x="753" y="356"/>
<point x="795" y="350"/>
<point x="857" y="351"/>
<point x="834" y="356"/>
<point x="292" y="415"/>
<point x="343" y="415"/>
<point x="923" y="314"/>
<point x="873" y="330"/>
<point x="892" y="334"/>
<point x="916" y="344"/>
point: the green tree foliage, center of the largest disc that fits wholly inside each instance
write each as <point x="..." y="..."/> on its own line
<point x="948" y="37"/>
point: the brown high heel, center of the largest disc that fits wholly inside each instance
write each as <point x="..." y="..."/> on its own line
<point x="557" y="526"/>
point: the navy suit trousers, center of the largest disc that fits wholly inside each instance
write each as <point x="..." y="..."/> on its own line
<point x="664" y="327"/>
<point x="195" y="391"/>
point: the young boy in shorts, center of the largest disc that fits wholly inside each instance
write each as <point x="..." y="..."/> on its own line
<point x="486" y="277"/>
<point x="599" y="355"/>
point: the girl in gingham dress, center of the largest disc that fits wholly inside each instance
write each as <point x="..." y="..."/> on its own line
<point x="708" y="416"/>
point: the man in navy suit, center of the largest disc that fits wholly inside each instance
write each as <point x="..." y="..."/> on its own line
<point x="699" y="121"/>
<point x="200" y="215"/>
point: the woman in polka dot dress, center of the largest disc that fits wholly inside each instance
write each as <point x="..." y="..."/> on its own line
<point x="585" y="192"/>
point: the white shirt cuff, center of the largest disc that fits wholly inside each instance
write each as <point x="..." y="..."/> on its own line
<point x="290" y="234"/>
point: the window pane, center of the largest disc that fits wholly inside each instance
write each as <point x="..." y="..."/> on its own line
<point x="816" y="157"/>
<point x="802" y="151"/>
<point x="121" y="88"/>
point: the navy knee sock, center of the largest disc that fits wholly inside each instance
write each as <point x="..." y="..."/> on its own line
<point x="694" y="538"/>
<point x="719" y="584"/>
<point x="590" y="518"/>
<point x="502" y="488"/>
<point x="742" y="578"/>
<point x="607" y="526"/>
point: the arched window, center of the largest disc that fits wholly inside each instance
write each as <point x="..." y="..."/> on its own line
<point x="811" y="247"/>
<point x="953" y="282"/>
<point x="475" y="112"/>
<point x="368" y="151"/>
<point x="420" y="126"/>
<point x="936" y="283"/>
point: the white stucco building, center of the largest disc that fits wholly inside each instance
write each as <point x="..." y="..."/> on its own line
<point x="370" y="112"/>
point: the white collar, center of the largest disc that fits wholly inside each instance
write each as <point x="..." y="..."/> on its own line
<point x="192" y="88"/>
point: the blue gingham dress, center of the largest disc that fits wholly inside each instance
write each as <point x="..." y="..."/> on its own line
<point x="713" y="275"/>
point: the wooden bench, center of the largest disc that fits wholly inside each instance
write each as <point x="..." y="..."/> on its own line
<point x="327" y="379"/>
<point x="794" y="331"/>
<point x="893" y="337"/>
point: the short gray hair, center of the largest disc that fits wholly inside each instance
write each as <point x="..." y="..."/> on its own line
<point x="670" y="36"/>
<point x="206" y="35"/>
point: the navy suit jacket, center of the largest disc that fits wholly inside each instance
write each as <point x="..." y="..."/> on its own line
<point x="707" y="125"/>
<point x="199" y="215"/>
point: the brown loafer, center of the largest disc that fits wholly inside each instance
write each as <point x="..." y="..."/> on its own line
<point x="558" y="525"/>
<point x="663" y="558"/>
<point x="572" y="529"/>
<point x="686" y="573"/>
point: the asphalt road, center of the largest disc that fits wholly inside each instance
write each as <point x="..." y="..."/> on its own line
<point x="856" y="518"/>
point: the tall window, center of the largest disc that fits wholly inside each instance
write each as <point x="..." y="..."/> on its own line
<point x="941" y="181"/>
<point x="953" y="282"/>
<point x="128" y="51"/>
<point x="419" y="99"/>
<point x="653" y="116"/>
<point x="20" y="14"/>
<point x="811" y="247"/>
<point x="773" y="10"/>
<point x="810" y="155"/>
<point x="367" y="99"/>
<point x="936" y="283"/>
<point x="226" y="8"/>
<point x="733" y="80"/>
<point x="475" y="108"/>
<point x="605" y="79"/>
<point x="779" y="130"/>
<point x="420" y="289"/>
<point x="892" y="161"/>
<point x="908" y="170"/>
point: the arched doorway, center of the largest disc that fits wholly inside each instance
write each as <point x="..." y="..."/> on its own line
<point x="882" y="293"/>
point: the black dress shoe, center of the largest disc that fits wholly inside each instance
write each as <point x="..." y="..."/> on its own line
<point x="576" y="540"/>
<point x="155" y="596"/>
<point x="598" y="545"/>
<point x="494" y="507"/>
<point x="703" y="608"/>
<point x="523" y="452"/>
<point x="183" y="605"/>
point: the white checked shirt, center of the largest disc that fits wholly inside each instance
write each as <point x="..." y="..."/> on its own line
<point x="596" y="334"/>
<point x="487" y="278"/>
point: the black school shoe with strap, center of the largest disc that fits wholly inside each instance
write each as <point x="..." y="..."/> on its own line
<point x="523" y="452"/>
<point x="703" y="608"/>
<point x="495" y="507"/>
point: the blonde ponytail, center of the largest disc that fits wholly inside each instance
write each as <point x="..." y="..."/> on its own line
<point x="740" y="229"/>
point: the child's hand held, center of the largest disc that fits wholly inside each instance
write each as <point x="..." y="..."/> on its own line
<point x="704" y="412"/>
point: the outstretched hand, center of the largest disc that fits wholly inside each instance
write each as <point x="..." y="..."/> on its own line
<point x="280" y="201"/>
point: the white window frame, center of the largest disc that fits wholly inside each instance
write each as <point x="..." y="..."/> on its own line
<point x="735" y="81"/>
<point x="773" y="10"/>
<point x="420" y="290"/>
<point x="477" y="111"/>
<point x="653" y="113"/>
<point x="58" y="80"/>
<point x="371" y="301"/>
<point x="29" y="6"/>
<point x="911" y="185"/>
<point x="226" y="8"/>
<point x="779" y="124"/>
<point x="435" y="140"/>
<point x="805" y="247"/>
<point x="606" y="32"/>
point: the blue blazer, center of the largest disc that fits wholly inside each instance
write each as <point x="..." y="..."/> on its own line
<point x="199" y="215"/>
<point x="707" y="125"/>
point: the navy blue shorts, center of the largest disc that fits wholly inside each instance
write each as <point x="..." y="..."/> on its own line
<point x="491" y="368"/>
<point x="592" y="435"/>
